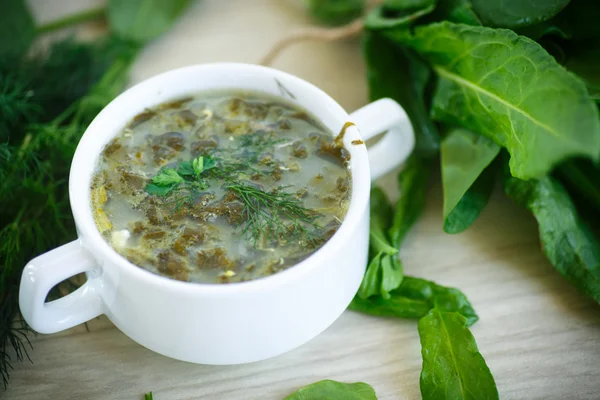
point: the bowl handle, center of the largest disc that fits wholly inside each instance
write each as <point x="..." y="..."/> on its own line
<point x="47" y="270"/>
<point x="388" y="117"/>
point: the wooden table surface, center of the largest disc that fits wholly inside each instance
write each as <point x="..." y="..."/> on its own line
<point x="540" y="338"/>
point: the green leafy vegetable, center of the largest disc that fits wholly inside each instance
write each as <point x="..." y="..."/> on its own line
<point x="335" y="12"/>
<point x="520" y="97"/>
<point x="381" y="217"/>
<point x="148" y="396"/>
<point x="393" y="72"/>
<point x="566" y="240"/>
<point x="460" y="11"/>
<point x="412" y="182"/>
<point x="17" y="28"/>
<point x="332" y="390"/>
<point x="453" y="367"/>
<point x="143" y="20"/>
<point x="383" y="18"/>
<point x="414" y="298"/>
<point x="472" y="203"/>
<point x="384" y="271"/>
<point x="584" y="178"/>
<point x="465" y="155"/>
<point x="516" y="13"/>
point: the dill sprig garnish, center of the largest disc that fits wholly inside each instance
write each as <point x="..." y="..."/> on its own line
<point x="183" y="183"/>
<point x="276" y="216"/>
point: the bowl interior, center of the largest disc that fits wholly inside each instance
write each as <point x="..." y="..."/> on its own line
<point x="186" y="81"/>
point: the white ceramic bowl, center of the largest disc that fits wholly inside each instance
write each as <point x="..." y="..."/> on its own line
<point x="216" y="323"/>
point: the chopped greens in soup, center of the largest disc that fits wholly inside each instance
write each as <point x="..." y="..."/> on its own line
<point x="221" y="187"/>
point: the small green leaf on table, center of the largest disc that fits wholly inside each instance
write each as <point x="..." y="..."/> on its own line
<point x="453" y="367"/>
<point x="332" y="390"/>
<point x="414" y="298"/>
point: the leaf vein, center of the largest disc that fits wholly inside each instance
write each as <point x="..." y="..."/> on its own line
<point x="474" y="87"/>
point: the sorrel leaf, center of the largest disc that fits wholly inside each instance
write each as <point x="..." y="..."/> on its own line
<point x="413" y="183"/>
<point x="453" y="367"/>
<point x="414" y="298"/>
<point x="465" y="155"/>
<point x="515" y="13"/>
<point x="566" y="240"/>
<point x="393" y="72"/>
<point x="332" y="390"/>
<point x="510" y="89"/>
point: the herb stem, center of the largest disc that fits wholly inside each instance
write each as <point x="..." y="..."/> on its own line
<point x="73" y="19"/>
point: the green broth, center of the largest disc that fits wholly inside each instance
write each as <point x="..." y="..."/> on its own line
<point x="221" y="187"/>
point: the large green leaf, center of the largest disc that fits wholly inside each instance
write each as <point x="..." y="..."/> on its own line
<point x="332" y="390"/>
<point x="453" y="367"/>
<point x="17" y="28"/>
<point x="393" y="72"/>
<point x="566" y="240"/>
<point x="414" y="298"/>
<point x="143" y="20"/>
<point x="413" y="183"/>
<point x="465" y="155"/>
<point x="515" y="13"/>
<point x="508" y="88"/>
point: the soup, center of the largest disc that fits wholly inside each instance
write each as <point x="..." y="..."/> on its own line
<point x="221" y="187"/>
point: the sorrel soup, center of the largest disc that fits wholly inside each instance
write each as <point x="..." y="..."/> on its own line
<point x="221" y="187"/>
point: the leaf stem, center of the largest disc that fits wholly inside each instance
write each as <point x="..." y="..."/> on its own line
<point x="74" y="19"/>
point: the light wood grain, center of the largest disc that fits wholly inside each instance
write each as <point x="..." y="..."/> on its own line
<point x="540" y="338"/>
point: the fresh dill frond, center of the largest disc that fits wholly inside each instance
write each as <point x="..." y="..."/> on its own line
<point x="276" y="216"/>
<point x="35" y="157"/>
<point x="257" y="143"/>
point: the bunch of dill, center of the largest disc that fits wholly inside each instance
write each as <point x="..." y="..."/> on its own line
<point x="47" y="101"/>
